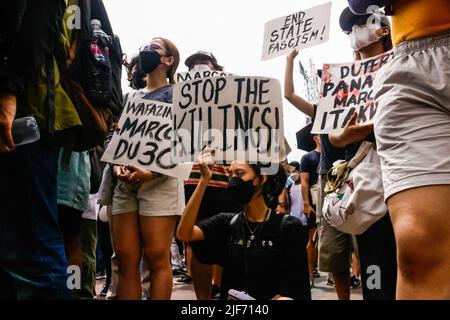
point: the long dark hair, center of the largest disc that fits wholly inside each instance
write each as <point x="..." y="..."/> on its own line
<point x="273" y="186"/>
<point x="172" y="51"/>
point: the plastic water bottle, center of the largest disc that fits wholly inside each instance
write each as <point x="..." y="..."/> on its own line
<point x="97" y="32"/>
<point x="96" y="29"/>
<point x="25" y="130"/>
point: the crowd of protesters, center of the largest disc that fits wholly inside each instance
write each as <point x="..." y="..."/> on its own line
<point x="228" y="226"/>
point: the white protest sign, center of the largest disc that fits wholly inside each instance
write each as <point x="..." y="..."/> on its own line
<point x="191" y="75"/>
<point x="241" y="118"/>
<point x="346" y="88"/>
<point x="144" y="138"/>
<point x="299" y="30"/>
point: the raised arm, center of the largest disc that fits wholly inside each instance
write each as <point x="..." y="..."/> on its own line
<point x="187" y="231"/>
<point x="289" y="91"/>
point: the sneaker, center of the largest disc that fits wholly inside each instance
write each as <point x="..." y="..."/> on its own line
<point x="100" y="275"/>
<point x="355" y="282"/>
<point x="104" y="290"/>
<point x="330" y="281"/>
<point x="179" y="272"/>
<point x="184" y="280"/>
<point x="215" y="292"/>
<point x="311" y="280"/>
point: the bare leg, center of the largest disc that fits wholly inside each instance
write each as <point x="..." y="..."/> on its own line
<point x="217" y="275"/>
<point x="421" y="216"/>
<point x="128" y="251"/>
<point x="202" y="277"/>
<point x="342" y="283"/>
<point x="157" y="233"/>
<point x="311" y="251"/>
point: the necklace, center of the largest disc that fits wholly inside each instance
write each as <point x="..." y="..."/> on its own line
<point x="252" y="232"/>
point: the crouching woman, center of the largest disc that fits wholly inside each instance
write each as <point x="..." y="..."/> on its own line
<point x="263" y="254"/>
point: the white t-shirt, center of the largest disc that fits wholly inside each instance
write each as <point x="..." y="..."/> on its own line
<point x="297" y="203"/>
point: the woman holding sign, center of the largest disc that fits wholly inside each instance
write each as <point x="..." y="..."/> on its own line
<point x="263" y="253"/>
<point x="145" y="203"/>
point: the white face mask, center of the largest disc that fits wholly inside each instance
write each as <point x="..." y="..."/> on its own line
<point x="294" y="177"/>
<point x="361" y="37"/>
<point x="200" y="68"/>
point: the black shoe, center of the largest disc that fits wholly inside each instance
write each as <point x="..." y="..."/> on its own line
<point x="184" y="280"/>
<point x="330" y="281"/>
<point x="100" y="275"/>
<point x="179" y="272"/>
<point x="355" y="282"/>
<point x="316" y="274"/>
<point x="104" y="290"/>
<point x="215" y="292"/>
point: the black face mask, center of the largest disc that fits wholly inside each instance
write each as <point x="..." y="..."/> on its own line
<point x="149" y="61"/>
<point x="241" y="191"/>
<point x="137" y="80"/>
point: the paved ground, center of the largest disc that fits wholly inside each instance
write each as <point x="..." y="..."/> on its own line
<point x="321" y="291"/>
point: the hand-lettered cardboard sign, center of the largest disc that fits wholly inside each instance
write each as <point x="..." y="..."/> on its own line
<point x="348" y="88"/>
<point x="299" y="30"/>
<point x="241" y="118"/>
<point x="144" y="138"/>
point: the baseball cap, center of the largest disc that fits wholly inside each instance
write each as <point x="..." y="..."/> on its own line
<point x="348" y="19"/>
<point x="200" y="55"/>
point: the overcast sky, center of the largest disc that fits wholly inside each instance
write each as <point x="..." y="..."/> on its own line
<point x="233" y="31"/>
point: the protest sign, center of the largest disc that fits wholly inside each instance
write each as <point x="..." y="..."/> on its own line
<point x="299" y="30"/>
<point x="191" y="75"/>
<point x="348" y="88"/>
<point x="144" y="138"/>
<point x="241" y="118"/>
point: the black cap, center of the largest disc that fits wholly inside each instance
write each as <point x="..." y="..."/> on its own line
<point x="348" y="19"/>
<point x="200" y="55"/>
<point x="305" y="139"/>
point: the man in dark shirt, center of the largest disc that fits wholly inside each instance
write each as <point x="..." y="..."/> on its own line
<point x="308" y="174"/>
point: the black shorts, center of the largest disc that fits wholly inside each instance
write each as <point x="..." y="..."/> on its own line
<point x="69" y="220"/>
<point x="215" y="200"/>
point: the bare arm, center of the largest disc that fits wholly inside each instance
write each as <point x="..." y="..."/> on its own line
<point x="187" y="231"/>
<point x="307" y="208"/>
<point x="289" y="91"/>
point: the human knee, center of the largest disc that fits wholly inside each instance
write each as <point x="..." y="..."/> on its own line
<point x="157" y="258"/>
<point x="416" y="256"/>
<point x="126" y="259"/>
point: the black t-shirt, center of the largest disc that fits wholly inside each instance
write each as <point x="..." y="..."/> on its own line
<point x="328" y="153"/>
<point x="310" y="163"/>
<point x="352" y="148"/>
<point x="276" y="260"/>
